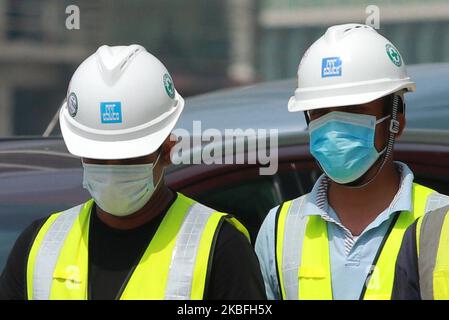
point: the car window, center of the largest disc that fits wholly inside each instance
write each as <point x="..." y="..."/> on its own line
<point x="28" y="196"/>
<point x="251" y="200"/>
<point x="15" y="217"/>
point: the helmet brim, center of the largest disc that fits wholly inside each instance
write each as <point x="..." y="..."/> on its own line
<point x="142" y="144"/>
<point x="348" y="96"/>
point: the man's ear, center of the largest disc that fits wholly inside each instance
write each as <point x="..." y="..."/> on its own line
<point x="167" y="146"/>
<point x="402" y="122"/>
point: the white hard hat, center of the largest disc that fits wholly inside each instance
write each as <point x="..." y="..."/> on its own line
<point x="121" y="103"/>
<point x="350" y="64"/>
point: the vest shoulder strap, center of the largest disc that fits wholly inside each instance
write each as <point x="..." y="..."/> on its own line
<point x="291" y="227"/>
<point x="191" y="259"/>
<point x="315" y="270"/>
<point x="436" y="200"/>
<point x="185" y="252"/>
<point x="379" y="283"/>
<point x="45" y="251"/>
<point x="432" y="236"/>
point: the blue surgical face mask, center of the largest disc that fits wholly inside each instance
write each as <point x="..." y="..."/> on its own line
<point x="120" y="190"/>
<point x="343" y="144"/>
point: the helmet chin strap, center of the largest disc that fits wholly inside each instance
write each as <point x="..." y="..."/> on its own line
<point x="394" y="129"/>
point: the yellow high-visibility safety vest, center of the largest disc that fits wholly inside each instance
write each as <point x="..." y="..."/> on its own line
<point x="302" y="251"/>
<point x="432" y="243"/>
<point x="174" y="265"/>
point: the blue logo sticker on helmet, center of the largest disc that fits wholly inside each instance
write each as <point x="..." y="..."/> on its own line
<point x="111" y="112"/>
<point x="331" y="67"/>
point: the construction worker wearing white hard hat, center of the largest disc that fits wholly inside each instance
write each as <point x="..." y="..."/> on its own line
<point x="341" y="240"/>
<point x="136" y="238"/>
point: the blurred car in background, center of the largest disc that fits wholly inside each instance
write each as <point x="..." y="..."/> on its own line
<point x="38" y="176"/>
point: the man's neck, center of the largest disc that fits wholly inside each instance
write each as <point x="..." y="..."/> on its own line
<point x="358" y="207"/>
<point x="158" y="204"/>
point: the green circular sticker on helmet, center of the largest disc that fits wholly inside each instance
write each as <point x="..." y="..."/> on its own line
<point x="169" y="86"/>
<point x="394" y="55"/>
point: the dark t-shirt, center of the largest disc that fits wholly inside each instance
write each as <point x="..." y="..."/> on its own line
<point x="113" y="253"/>
<point x="406" y="278"/>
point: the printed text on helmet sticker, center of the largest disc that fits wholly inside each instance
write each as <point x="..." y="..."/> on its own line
<point x="111" y="112"/>
<point x="331" y="67"/>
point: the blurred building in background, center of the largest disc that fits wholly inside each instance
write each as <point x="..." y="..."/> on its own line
<point x="37" y="55"/>
<point x="206" y="44"/>
<point x="418" y="28"/>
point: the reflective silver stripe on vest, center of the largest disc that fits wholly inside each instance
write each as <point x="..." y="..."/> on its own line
<point x="182" y="266"/>
<point x="294" y="230"/>
<point x="48" y="252"/>
<point x="429" y="242"/>
<point x="436" y="200"/>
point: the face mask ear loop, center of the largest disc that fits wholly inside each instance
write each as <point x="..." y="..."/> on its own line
<point x="306" y="115"/>
<point x="394" y="129"/>
<point x="383" y="119"/>
<point x="163" y="170"/>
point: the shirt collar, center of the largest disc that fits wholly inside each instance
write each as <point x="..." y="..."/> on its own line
<point x="317" y="203"/>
